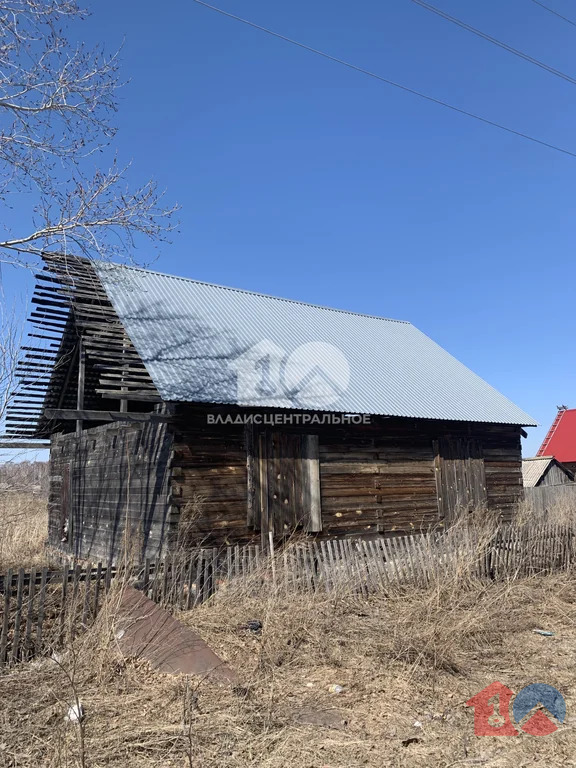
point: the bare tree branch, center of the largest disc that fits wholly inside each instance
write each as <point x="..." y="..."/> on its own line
<point x="10" y="339"/>
<point x="57" y="100"/>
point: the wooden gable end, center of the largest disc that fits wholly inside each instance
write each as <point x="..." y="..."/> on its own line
<point x="84" y="365"/>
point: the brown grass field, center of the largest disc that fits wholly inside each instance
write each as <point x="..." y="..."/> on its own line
<point x="23" y="530"/>
<point x="407" y="663"/>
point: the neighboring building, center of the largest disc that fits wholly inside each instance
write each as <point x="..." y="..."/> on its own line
<point x="544" y="470"/>
<point x="560" y="441"/>
<point x="179" y="411"/>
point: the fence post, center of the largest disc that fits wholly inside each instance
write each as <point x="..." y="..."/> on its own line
<point x="199" y="579"/>
<point x="146" y="579"/>
<point x="6" y="618"/>
<point x="272" y="559"/>
<point x="97" y="587"/>
<point x="16" y="638"/>
<point x="29" y="613"/>
<point x="41" y="601"/>
<point x="214" y="571"/>
<point x="87" y="585"/>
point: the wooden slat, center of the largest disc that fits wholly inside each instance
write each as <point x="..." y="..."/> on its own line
<point x="6" y="617"/>
<point x="41" y="606"/>
<point x="23" y="444"/>
<point x="311" y="483"/>
<point x="198" y="597"/>
<point x="189" y="596"/>
<point x="355" y="565"/>
<point x="97" y="583"/>
<point x="18" y="615"/>
<point x="87" y="587"/>
<point x="71" y="414"/>
<point x="252" y="516"/>
<point x="28" y="649"/>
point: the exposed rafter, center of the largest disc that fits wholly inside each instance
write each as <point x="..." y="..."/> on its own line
<point x="71" y="307"/>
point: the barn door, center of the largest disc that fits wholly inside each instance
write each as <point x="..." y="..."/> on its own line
<point x="283" y="483"/>
<point x="460" y="477"/>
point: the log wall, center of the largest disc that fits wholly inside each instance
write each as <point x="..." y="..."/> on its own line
<point x="209" y="478"/>
<point x="376" y="478"/>
<point x="188" y="480"/>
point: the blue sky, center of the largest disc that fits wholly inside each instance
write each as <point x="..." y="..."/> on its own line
<point x="300" y="178"/>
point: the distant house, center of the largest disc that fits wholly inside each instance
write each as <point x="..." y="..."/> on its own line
<point x="544" y="470"/>
<point x="174" y="406"/>
<point x="560" y="440"/>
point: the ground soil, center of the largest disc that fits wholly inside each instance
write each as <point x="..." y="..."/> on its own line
<point x="406" y="663"/>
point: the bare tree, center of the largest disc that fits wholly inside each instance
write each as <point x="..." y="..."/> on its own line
<point x="23" y="476"/>
<point x="10" y="337"/>
<point x="57" y="101"/>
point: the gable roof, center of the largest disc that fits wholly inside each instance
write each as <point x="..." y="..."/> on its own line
<point x="200" y="341"/>
<point x="560" y="441"/>
<point x="534" y="469"/>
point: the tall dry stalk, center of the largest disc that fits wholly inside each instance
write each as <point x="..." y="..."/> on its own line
<point x="23" y="530"/>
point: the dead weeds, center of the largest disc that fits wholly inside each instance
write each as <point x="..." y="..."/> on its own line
<point x="23" y="530"/>
<point x="405" y="662"/>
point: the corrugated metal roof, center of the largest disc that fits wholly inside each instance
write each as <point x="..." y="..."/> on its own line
<point x="206" y="343"/>
<point x="533" y="469"/>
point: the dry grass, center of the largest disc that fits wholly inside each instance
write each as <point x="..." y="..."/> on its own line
<point x="407" y="662"/>
<point x="23" y="530"/>
<point x="554" y="505"/>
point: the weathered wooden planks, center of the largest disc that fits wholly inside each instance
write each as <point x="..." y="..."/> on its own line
<point x="35" y="606"/>
<point x="373" y="478"/>
<point x="71" y="597"/>
<point x="115" y="483"/>
<point x="95" y="366"/>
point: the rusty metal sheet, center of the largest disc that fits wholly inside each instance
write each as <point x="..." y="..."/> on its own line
<point x="145" y="630"/>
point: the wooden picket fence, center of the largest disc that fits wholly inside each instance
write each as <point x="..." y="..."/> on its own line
<point x="41" y="609"/>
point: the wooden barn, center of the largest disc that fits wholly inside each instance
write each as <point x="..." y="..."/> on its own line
<point x="180" y="412"/>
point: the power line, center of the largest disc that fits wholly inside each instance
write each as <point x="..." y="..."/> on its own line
<point x="382" y="79"/>
<point x="495" y="41"/>
<point x="551" y="10"/>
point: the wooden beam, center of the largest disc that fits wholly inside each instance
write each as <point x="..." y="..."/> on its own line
<point x="252" y="520"/>
<point x="4" y="444"/>
<point x="67" y="376"/>
<point x="311" y="483"/>
<point x="48" y="338"/>
<point x="65" y="414"/>
<point x="116" y="394"/>
<point x="81" y="381"/>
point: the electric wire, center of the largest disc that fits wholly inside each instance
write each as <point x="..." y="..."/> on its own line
<point x="495" y="41"/>
<point x="386" y="80"/>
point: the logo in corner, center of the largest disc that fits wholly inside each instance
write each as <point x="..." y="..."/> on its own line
<point x="538" y="710"/>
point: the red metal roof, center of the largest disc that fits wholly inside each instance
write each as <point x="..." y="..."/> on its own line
<point x="560" y="441"/>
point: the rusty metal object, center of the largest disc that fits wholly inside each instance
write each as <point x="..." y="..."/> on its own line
<point x="147" y="631"/>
